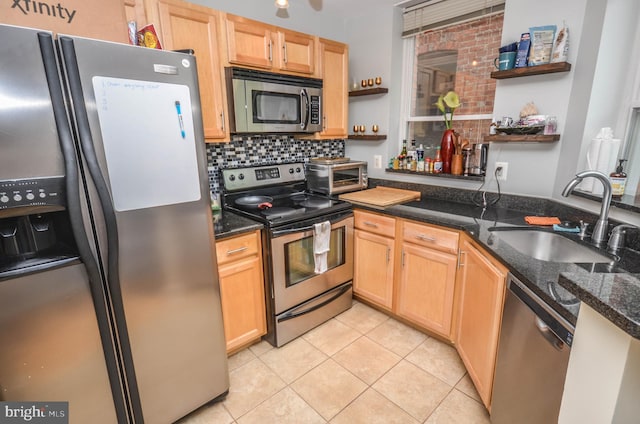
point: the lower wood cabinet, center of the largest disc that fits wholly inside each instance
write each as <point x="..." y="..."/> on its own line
<point x="426" y="287"/>
<point x="407" y="268"/>
<point x="374" y="246"/>
<point x="439" y="280"/>
<point x="482" y="282"/>
<point x="241" y="289"/>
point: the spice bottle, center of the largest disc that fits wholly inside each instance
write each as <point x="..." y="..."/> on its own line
<point x="437" y="163"/>
<point x="618" y="180"/>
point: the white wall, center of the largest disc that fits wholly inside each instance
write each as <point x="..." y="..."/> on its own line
<point x="375" y="50"/>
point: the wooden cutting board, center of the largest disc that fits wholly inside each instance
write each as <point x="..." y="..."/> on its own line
<point x="381" y="197"/>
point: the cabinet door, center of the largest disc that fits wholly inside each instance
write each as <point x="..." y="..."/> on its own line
<point x="186" y="28"/>
<point x="373" y="268"/>
<point x="479" y="315"/>
<point x="426" y="288"/>
<point x="249" y="42"/>
<point x="297" y="52"/>
<point x="242" y="295"/>
<point x="335" y="91"/>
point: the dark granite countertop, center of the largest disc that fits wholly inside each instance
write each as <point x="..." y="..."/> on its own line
<point x="611" y="289"/>
<point x="227" y="224"/>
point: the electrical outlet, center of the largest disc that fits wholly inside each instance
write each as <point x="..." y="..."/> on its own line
<point x="377" y="161"/>
<point x="501" y="170"/>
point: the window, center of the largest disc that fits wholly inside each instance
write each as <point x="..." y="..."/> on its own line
<point x="457" y="57"/>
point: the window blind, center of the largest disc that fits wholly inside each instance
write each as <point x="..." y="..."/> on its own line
<point x="434" y="14"/>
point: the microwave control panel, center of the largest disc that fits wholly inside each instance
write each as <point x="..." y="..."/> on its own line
<point x="315" y="110"/>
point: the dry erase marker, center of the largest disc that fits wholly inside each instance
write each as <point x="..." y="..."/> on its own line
<point x="180" y="119"/>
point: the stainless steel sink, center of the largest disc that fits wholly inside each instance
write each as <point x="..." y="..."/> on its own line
<point x="547" y="246"/>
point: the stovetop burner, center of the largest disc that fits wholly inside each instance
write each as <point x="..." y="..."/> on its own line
<point x="285" y="185"/>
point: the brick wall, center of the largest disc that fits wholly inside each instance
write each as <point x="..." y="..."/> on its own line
<point x="477" y="44"/>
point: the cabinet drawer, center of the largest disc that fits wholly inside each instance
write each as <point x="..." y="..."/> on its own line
<point x="428" y="236"/>
<point x="373" y="223"/>
<point x="237" y="247"/>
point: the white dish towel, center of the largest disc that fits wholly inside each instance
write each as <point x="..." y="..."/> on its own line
<point x="321" y="237"/>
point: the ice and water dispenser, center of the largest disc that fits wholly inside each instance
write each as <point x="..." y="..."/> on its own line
<point x="34" y="225"/>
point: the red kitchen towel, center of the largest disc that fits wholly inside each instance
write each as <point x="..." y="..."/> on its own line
<point x="542" y="220"/>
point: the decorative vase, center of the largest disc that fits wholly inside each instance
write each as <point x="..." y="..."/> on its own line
<point x="446" y="150"/>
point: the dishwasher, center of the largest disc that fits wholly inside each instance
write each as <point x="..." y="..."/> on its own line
<point x="532" y="360"/>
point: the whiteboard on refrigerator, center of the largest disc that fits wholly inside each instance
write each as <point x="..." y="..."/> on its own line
<point x="148" y="135"/>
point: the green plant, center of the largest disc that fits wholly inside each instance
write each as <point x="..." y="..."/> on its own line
<point x="447" y="104"/>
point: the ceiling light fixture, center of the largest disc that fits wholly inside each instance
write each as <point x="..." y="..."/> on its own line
<point x="282" y="4"/>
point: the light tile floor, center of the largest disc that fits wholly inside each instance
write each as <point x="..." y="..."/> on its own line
<point x="359" y="367"/>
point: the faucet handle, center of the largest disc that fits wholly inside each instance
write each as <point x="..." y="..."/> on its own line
<point x="583" y="228"/>
<point x="616" y="240"/>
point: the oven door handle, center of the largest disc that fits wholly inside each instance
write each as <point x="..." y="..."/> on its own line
<point x="292" y="230"/>
<point x="277" y="233"/>
<point x="295" y="314"/>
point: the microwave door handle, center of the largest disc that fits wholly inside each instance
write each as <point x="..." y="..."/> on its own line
<point x="307" y="114"/>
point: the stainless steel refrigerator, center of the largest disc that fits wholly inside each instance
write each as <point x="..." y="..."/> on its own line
<point x="109" y="294"/>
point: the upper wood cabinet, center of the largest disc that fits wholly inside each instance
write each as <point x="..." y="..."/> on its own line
<point x="334" y="63"/>
<point x="297" y="51"/>
<point x="187" y="26"/>
<point x="256" y="44"/>
<point x="482" y="282"/>
<point x="134" y="11"/>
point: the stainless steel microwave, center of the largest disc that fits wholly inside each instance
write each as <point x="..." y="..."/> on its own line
<point x="265" y="102"/>
<point x="334" y="178"/>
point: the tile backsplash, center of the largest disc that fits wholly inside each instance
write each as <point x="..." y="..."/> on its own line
<point x="264" y="150"/>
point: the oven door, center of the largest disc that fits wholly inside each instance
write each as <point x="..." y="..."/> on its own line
<point x="294" y="279"/>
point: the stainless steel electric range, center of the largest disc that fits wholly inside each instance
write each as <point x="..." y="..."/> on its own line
<point x="298" y="295"/>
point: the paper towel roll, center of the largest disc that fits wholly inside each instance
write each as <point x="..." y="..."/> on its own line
<point x="606" y="163"/>
<point x="592" y="161"/>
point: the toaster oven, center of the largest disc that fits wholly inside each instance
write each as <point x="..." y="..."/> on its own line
<point x="335" y="177"/>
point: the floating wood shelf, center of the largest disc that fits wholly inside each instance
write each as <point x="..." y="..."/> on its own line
<point x="368" y="91"/>
<point x="426" y="174"/>
<point x="367" y="137"/>
<point x="539" y="138"/>
<point x="548" y="68"/>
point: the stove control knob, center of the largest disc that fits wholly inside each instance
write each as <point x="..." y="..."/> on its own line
<point x="232" y="177"/>
<point x="298" y="170"/>
<point x="17" y="197"/>
<point x="291" y="171"/>
<point x="4" y="198"/>
<point x="241" y="176"/>
<point x="30" y="196"/>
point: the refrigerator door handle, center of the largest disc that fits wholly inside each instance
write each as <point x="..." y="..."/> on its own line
<point x="113" y="281"/>
<point x="67" y="148"/>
